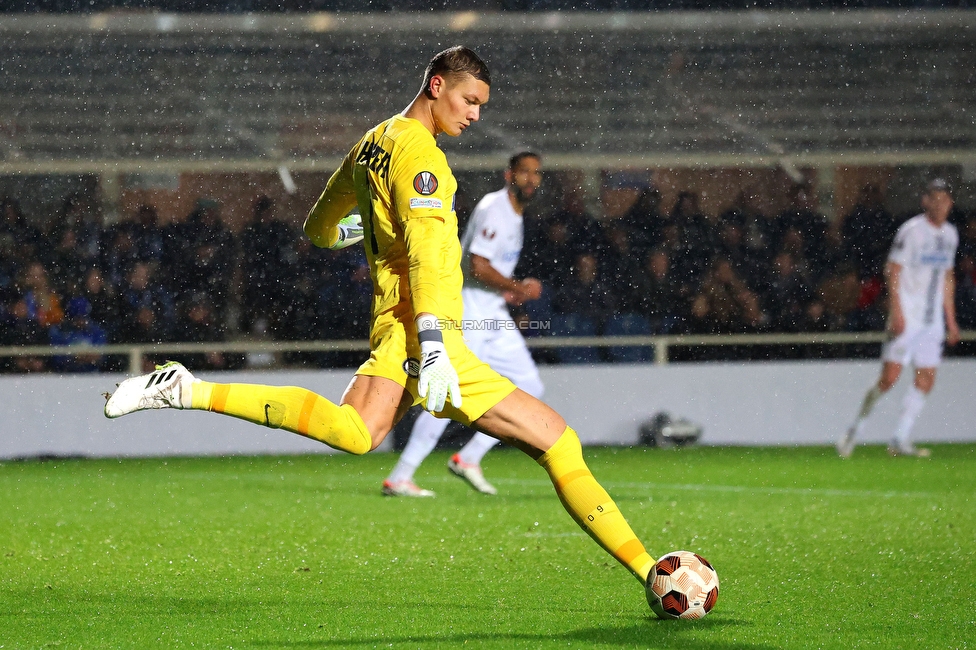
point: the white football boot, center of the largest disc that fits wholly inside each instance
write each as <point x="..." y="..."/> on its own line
<point x="166" y="387"/>
<point x="405" y="489"/>
<point x="845" y="446"/>
<point x="470" y="473"/>
<point x="908" y="449"/>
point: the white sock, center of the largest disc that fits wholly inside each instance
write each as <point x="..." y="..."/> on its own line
<point x="477" y="447"/>
<point x="911" y="406"/>
<point x="427" y="430"/>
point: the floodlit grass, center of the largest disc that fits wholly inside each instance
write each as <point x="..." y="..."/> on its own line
<point x="303" y="552"/>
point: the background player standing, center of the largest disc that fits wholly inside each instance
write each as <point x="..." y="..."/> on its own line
<point x="404" y="188"/>
<point x="922" y="314"/>
<point x="490" y="246"/>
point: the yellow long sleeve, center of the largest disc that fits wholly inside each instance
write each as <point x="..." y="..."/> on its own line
<point x="425" y="263"/>
<point x="336" y="201"/>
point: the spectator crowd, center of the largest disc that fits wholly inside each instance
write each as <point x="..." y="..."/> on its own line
<point x="677" y="271"/>
<point x="190" y="281"/>
<point x="652" y="271"/>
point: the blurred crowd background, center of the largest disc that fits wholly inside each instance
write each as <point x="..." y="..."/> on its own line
<point x="656" y="269"/>
<point x="738" y="175"/>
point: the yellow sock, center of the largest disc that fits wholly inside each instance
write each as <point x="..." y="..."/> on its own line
<point x="590" y="505"/>
<point x="286" y="407"/>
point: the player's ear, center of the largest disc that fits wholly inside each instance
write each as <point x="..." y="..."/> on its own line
<point x="508" y="176"/>
<point x="437" y="84"/>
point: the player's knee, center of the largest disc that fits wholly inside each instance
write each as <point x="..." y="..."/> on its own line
<point x="377" y="434"/>
<point x="354" y="435"/>
<point x="925" y="382"/>
<point x="888" y="380"/>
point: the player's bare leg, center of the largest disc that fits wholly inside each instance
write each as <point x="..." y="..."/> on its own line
<point x="925" y="379"/>
<point x="890" y="371"/>
<point x="379" y="401"/>
<point x="912" y="405"/>
<point x="524" y="422"/>
<point x="535" y="428"/>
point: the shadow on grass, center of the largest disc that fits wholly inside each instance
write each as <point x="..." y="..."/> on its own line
<point x="222" y="615"/>
<point x="649" y="633"/>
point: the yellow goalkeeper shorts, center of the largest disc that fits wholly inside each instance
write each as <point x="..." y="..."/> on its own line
<point x="395" y="355"/>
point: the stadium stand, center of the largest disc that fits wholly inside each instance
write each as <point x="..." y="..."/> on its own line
<point x="177" y="87"/>
<point x="137" y="92"/>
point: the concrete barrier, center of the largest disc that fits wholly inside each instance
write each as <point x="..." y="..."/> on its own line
<point x="776" y="403"/>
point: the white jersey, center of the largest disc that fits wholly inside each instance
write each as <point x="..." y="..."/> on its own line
<point x="924" y="253"/>
<point x="495" y="233"/>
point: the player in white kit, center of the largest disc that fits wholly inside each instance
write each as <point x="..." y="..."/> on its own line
<point x="922" y="314"/>
<point x="491" y="246"/>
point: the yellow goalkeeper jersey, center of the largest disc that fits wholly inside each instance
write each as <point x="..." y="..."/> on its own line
<point x="405" y="191"/>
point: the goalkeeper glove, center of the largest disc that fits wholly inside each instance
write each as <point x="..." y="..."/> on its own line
<point x="437" y="378"/>
<point x="350" y="231"/>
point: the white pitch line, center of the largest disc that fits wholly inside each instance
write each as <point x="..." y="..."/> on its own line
<point x="778" y="490"/>
<point x="696" y="487"/>
<point x="282" y="476"/>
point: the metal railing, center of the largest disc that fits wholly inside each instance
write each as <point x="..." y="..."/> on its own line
<point x="660" y="343"/>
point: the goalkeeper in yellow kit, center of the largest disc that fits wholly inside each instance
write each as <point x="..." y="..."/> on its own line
<point x="401" y="183"/>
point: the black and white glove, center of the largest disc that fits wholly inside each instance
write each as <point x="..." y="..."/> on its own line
<point x="437" y="378"/>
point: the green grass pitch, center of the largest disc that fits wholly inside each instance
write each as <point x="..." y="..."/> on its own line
<point x="303" y="552"/>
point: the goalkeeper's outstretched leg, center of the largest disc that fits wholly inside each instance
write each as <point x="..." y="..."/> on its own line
<point x="367" y="412"/>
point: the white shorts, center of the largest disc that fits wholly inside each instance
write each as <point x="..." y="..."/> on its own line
<point x="920" y="346"/>
<point x="496" y="340"/>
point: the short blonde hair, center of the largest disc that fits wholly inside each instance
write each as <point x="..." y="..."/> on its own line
<point x="455" y="62"/>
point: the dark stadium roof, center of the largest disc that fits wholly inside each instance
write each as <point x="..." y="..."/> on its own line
<point x="144" y="91"/>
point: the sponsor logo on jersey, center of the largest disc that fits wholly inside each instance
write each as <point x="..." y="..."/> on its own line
<point x="418" y="203"/>
<point x="425" y="183"/>
<point x="488" y="233"/>
<point x="375" y="158"/>
<point x="411" y="366"/>
<point x="935" y="259"/>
